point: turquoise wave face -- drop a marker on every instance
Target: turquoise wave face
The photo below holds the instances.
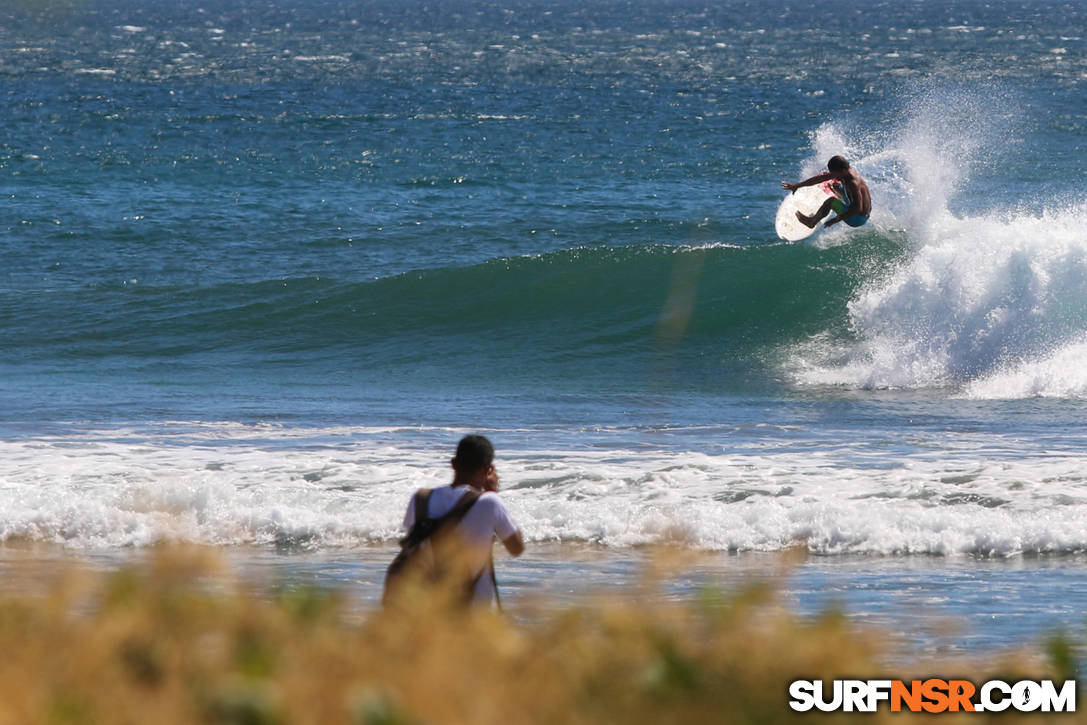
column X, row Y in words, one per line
column 584, row 314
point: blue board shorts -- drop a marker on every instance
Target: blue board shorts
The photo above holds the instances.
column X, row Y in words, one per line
column 841, row 206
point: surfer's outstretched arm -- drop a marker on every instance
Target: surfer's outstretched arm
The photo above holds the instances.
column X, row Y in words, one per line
column 817, row 179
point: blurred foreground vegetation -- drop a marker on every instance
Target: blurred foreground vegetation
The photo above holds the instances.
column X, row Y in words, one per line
column 179, row 640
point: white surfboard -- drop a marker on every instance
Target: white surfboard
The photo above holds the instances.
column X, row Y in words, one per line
column 807, row 200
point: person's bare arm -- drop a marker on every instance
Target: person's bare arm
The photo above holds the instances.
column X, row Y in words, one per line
column 817, row 179
column 515, row 544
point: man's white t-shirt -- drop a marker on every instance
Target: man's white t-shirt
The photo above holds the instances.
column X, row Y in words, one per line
column 485, row 519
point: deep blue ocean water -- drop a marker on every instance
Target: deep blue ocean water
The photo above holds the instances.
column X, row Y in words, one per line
column 264, row 262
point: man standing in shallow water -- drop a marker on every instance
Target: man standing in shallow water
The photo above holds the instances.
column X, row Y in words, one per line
column 473, row 468
column 856, row 204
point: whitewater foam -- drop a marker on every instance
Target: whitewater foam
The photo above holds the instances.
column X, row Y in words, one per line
column 1060, row 375
column 990, row 294
column 229, row 484
column 998, row 295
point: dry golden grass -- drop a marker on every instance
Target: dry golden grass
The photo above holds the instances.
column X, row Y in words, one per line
column 177, row 640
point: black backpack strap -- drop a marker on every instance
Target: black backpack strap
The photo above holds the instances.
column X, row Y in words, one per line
column 494, row 582
column 422, row 501
column 460, row 508
column 424, row 526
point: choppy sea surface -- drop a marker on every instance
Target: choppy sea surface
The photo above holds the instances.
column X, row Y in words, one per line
column 265, row 261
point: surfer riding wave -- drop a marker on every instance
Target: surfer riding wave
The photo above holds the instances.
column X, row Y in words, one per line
column 855, row 204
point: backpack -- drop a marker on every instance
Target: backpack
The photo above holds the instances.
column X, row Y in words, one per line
column 417, row 548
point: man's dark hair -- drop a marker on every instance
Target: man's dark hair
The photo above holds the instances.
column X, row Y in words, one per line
column 837, row 163
column 473, row 453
